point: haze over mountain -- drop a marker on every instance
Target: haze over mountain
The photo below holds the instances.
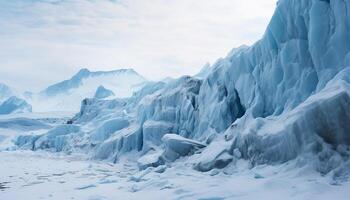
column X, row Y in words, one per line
column 68, row 94
column 5, row 92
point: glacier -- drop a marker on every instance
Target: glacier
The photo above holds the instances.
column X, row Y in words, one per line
column 285, row 100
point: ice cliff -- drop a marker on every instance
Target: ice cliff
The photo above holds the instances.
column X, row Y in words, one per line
column 284, row 98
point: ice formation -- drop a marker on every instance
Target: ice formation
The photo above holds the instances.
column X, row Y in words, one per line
column 177, row 146
column 284, row 98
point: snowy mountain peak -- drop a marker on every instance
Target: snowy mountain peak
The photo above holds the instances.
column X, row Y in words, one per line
column 78, row 79
column 82, row 73
column 102, row 93
column 67, row 95
column 14, row 105
column 5, row 91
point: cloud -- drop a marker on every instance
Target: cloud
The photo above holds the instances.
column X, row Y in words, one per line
column 44, row 41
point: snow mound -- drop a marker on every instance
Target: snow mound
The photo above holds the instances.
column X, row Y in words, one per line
column 177, row 146
column 216, row 155
column 14, row 105
column 151, row 159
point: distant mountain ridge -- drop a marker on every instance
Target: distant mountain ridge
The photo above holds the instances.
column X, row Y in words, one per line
column 84, row 73
column 5, row 91
column 14, row 105
column 68, row 94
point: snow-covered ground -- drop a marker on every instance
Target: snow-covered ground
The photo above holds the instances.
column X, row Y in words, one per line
column 41, row 175
column 33, row 175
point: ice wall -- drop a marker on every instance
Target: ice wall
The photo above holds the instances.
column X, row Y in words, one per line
column 284, row 97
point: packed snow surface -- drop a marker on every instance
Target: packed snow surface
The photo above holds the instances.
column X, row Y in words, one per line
column 41, row 175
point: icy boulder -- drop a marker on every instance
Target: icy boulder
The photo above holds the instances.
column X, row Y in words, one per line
column 216, row 155
column 177, row 146
column 14, row 105
column 151, row 159
column 102, row 93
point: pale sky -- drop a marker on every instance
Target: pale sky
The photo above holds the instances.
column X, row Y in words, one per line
column 45, row 41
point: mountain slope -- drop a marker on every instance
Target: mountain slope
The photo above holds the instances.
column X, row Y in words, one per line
column 68, row 94
column 85, row 77
column 5, row 92
column 14, row 105
column 102, row 93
